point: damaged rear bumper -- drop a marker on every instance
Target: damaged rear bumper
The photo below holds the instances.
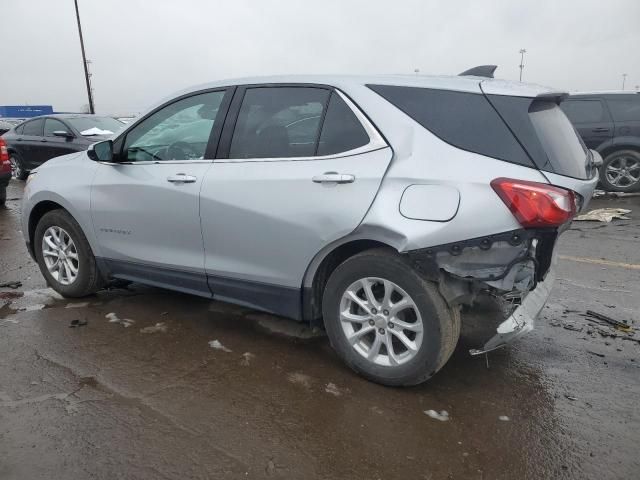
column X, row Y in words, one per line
column 523, row 317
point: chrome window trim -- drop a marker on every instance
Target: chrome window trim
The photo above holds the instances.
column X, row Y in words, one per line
column 376, row 141
column 161, row 162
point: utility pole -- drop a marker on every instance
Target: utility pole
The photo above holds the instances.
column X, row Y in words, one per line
column 624, row 79
column 522, row 52
column 84, row 61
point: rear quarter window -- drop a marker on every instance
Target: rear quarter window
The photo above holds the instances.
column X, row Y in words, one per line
column 464, row 120
column 625, row 109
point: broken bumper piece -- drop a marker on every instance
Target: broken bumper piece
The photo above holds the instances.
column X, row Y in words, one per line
column 522, row 319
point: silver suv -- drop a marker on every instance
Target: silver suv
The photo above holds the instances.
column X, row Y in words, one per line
column 378, row 205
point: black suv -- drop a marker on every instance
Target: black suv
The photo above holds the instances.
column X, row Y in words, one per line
column 609, row 122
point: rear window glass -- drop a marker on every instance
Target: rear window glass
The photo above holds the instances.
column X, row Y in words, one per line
column 625, row 109
column 341, row 131
column 33, row 127
column 464, row 120
column 566, row 152
column 583, row 111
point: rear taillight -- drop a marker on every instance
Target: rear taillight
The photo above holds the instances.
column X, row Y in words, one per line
column 4, row 153
column 536, row 204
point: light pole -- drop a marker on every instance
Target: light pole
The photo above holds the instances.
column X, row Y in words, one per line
column 84, row 61
column 522, row 52
column 624, row 79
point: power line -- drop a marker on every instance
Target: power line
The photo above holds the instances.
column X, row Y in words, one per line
column 84, row 62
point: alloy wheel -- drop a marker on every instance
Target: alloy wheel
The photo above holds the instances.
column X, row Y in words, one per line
column 60, row 255
column 623, row 171
column 381, row 321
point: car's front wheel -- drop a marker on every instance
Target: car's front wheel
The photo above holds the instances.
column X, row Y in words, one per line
column 17, row 168
column 386, row 321
column 64, row 255
column 621, row 171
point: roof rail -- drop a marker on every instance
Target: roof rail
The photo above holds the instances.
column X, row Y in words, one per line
column 480, row 71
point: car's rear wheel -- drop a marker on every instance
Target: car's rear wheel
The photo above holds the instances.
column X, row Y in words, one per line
column 64, row 255
column 621, row 171
column 17, row 168
column 386, row 321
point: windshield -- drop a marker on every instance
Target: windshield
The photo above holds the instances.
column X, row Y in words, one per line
column 88, row 126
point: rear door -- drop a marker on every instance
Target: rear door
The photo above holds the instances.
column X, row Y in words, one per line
column 145, row 207
column 591, row 118
column 31, row 146
column 56, row 146
column 297, row 169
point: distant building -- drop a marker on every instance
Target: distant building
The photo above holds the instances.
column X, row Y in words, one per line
column 24, row 111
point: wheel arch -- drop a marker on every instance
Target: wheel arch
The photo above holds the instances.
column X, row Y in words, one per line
column 37, row 212
column 323, row 265
column 624, row 143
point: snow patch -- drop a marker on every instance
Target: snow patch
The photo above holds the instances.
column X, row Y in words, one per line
column 113, row 318
column 218, row 346
column 158, row 327
column 443, row 416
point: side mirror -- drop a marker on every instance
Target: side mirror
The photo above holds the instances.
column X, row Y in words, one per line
column 101, row 151
column 63, row 133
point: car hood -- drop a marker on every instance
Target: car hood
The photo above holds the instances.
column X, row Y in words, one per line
column 58, row 160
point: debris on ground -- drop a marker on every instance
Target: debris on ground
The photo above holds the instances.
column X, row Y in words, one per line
column 602, row 193
column 158, row 327
column 13, row 284
column 443, row 416
column 77, row 305
column 597, row 354
column 503, row 418
column 624, row 326
column 333, row 389
column 604, row 215
column 572, row 326
column 218, row 346
column 246, row 359
column 113, row 318
column 300, row 379
column 10, row 295
column 570, row 397
column 77, row 323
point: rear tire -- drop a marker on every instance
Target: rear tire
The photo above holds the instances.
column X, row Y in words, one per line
column 58, row 269
column 620, row 171
column 17, row 167
column 418, row 339
column 3, row 196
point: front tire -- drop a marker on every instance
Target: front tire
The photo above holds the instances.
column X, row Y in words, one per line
column 386, row 321
column 621, row 171
column 17, row 168
column 64, row 255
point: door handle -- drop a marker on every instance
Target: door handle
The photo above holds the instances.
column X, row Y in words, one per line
column 600, row 130
column 44, row 140
column 334, row 177
column 181, row 178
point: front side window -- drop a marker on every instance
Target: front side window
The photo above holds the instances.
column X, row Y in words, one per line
column 583, row 111
column 52, row 125
column 179, row 131
column 278, row 122
column 34, row 127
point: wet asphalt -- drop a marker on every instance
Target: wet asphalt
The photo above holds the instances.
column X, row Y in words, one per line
column 181, row 387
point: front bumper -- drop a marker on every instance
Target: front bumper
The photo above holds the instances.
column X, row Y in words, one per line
column 522, row 319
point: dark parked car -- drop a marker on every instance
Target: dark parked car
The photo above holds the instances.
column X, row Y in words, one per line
column 35, row 141
column 609, row 122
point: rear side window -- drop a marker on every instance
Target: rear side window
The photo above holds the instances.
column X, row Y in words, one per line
column 464, row 120
column 341, row 131
column 278, row 122
column 33, row 127
column 625, row 109
column 584, row 111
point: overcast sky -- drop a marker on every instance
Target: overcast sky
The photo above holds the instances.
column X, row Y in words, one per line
column 142, row 51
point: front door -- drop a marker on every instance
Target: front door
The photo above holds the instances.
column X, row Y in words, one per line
column 302, row 167
column 145, row 205
column 56, row 146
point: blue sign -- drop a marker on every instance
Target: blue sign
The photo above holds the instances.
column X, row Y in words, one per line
column 25, row 111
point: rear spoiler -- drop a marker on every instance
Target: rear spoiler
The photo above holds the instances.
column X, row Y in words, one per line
column 557, row 97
